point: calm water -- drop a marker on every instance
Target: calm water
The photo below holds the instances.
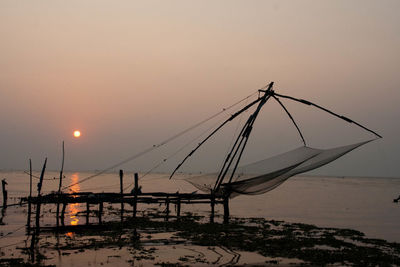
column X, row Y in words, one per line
column 364, row 204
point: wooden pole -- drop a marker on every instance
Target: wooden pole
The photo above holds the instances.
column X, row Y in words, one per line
column 39, row 186
column 5, row 194
column 212, row 207
column 60, row 184
column 121, row 184
column 37, row 214
column 39, row 195
column 178, row 207
column 136, row 191
column 30, row 178
column 63, row 213
column 28, row 223
column 100, row 212
column 87, row 212
column 32, row 248
column 167, row 203
column 226, row 209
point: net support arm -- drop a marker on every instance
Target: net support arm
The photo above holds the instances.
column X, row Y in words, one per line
column 330, row 112
column 243, row 136
column 213, row 132
column 291, row 117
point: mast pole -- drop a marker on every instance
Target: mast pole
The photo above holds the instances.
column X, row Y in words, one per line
column 213, row 132
column 306, row 102
column 243, row 136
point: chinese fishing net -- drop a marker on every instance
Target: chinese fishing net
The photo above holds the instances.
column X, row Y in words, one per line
column 265, row 175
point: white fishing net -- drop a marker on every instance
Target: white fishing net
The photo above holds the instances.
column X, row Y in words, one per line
column 265, row 175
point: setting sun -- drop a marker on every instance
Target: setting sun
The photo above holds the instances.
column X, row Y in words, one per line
column 77, row 134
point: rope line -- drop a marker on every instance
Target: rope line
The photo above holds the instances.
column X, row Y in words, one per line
column 12, row 232
column 234, row 135
column 233, row 116
column 6, row 246
column 306, row 102
column 160, row 144
column 291, row 117
column 37, row 177
column 176, row 152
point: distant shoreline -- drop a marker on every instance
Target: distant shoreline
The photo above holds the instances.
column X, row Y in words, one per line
column 195, row 173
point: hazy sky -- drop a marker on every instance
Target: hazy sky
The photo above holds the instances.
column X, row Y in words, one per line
column 129, row 74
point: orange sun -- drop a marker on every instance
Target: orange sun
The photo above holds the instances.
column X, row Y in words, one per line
column 77, row 134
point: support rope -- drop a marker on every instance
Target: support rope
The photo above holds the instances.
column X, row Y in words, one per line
column 290, row 116
column 330, row 112
column 175, row 153
column 162, row 143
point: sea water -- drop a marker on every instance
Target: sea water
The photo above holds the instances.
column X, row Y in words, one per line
column 360, row 203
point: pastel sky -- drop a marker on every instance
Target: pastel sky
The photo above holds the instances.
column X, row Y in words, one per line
column 129, row 74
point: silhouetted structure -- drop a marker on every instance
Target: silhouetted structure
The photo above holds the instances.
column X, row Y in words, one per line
column 3, row 186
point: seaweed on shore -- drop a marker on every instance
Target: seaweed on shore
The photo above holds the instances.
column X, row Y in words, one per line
column 274, row 239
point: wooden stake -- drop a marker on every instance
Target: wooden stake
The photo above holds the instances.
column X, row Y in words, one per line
column 63, row 213
column 60, row 184
column 178, row 207
column 37, row 214
column 5, row 194
column 100, row 212
column 28, row 223
column 39, row 195
column 39, row 186
column 32, row 248
column 136, row 191
column 167, row 203
column 30, row 178
column 212, row 207
column 87, row 212
column 121, row 184
column 226, row 209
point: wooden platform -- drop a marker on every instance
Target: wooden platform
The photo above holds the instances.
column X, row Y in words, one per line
column 96, row 198
column 90, row 198
column 61, row 199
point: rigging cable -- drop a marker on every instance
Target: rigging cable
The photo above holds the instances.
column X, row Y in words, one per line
column 37, row 177
column 227, row 154
column 175, row 153
column 160, row 144
column 330, row 112
column 12, row 232
column 216, row 130
column 246, row 133
column 290, row 116
column 243, row 136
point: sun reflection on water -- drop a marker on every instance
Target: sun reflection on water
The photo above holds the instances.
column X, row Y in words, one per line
column 74, row 208
column 70, row 234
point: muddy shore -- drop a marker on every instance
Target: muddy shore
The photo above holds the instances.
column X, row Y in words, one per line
column 191, row 241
